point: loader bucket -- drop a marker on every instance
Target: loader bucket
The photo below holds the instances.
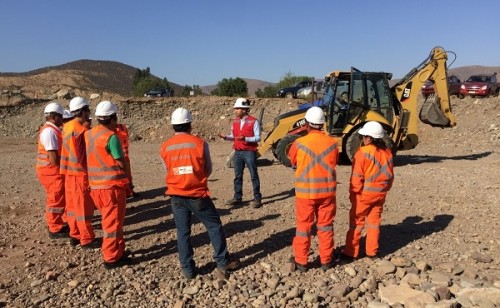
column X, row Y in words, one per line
column 431, row 113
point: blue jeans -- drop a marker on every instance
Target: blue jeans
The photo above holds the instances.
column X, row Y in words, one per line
column 249, row 158
column 203, row 209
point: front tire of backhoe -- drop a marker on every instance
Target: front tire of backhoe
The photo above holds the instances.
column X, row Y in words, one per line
column 282, row 148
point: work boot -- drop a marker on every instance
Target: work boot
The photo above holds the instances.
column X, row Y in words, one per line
column 124, row 260
column 256, row 203
column 63, row 233
column 234, row 202
column 327, row 266
column 297, row 266
column 74, row 241
column 223, row 272
column 95, row 244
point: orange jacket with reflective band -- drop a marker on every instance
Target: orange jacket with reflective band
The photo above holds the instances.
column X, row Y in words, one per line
column 43, row 165
column 245, row 131
column 186, row 175
column 372, row 170
column 104, row 171
column 315, row 156
column 73, row 157
column 122, row 133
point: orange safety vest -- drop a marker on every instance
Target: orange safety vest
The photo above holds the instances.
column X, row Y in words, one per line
column 184, row 159
column 43, row 165
column 104, row 172
column 122, row 133
column 372, row 170
column 245, row 131
column 315, row 176
column 73, row 149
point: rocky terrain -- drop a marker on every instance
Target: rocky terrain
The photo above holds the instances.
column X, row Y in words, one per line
column 440, row 244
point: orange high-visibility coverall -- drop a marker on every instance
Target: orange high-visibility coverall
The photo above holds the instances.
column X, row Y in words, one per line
column 122, row 134
column 315, row 156
column 79, row 205
column 107, row 183
column 371, row 179
column 53, row 183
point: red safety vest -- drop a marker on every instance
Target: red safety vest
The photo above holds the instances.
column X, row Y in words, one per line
column 316, row 157
column 245, row 131
column 43, row 165
column 73, row 149
column 104, row 172
column 122, row 133
column 184, row 159
column 372, row 170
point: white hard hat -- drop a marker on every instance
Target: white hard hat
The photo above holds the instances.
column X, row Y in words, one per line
column 241, row 103
column 54, row 107
column 372, row 129
column 67, row 114
column 77, row 103
column 181, row 116
column 315, row 115
column 105, row 108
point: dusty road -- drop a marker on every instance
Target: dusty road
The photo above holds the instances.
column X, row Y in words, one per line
column 441, row 222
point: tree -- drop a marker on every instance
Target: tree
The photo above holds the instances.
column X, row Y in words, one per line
column 269, row 91
column 288, row 80
column 231, row 87
column 186, row 91
column 144, row 81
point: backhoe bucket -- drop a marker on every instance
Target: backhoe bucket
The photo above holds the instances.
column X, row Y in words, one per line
column 431, row 113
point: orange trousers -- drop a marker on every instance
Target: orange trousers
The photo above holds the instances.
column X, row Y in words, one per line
column 369, row 208
column 111, row 203
column 55, row 201
column 79, row 208
column 307, row 212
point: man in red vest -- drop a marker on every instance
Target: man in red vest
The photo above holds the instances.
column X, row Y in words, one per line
column 79, row 205
column 47, row 170
column 188, row 164
column 108, row 182
column 245, row 133
column 371, row 179
column 315, row 156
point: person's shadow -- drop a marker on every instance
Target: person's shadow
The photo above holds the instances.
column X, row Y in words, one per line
column 394, row 237
column 403, row 160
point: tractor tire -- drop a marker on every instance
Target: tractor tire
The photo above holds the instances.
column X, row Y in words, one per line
column 353, row 142
column 282, row 148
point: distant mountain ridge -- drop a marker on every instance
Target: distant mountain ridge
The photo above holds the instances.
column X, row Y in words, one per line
column 115, row 77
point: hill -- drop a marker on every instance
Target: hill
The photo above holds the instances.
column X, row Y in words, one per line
column 110, row 78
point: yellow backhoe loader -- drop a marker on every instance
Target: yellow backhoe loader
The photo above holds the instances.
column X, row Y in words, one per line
column 352, row 98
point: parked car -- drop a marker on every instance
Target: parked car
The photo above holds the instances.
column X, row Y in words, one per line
column 453, row 87
column 305, row 92
column 157, row 93
column 480, row 85
column 291, row 92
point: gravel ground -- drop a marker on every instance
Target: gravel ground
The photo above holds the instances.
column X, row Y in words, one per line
column 440, row 243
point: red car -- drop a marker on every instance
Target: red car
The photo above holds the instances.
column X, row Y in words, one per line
column 480, row 85
column 453, row 86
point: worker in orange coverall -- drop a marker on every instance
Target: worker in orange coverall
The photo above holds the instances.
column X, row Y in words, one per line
column 79, row 205
column 47, row 170
column 315, row 157
column 122, row 133
column 108, row 182
column 371, row 179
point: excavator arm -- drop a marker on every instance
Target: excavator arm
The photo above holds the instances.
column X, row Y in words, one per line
column 436, row 110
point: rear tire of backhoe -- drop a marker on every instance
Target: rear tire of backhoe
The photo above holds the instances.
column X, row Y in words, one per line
column 282, row 148
column 354, row 141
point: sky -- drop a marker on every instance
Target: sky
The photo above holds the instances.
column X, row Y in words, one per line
column 201, row 42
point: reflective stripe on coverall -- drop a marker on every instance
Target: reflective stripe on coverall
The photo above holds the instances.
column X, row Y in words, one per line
column 52, row 182
column 371, row 179
column 107, row 182
column 79, row 205
column 315, row 156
